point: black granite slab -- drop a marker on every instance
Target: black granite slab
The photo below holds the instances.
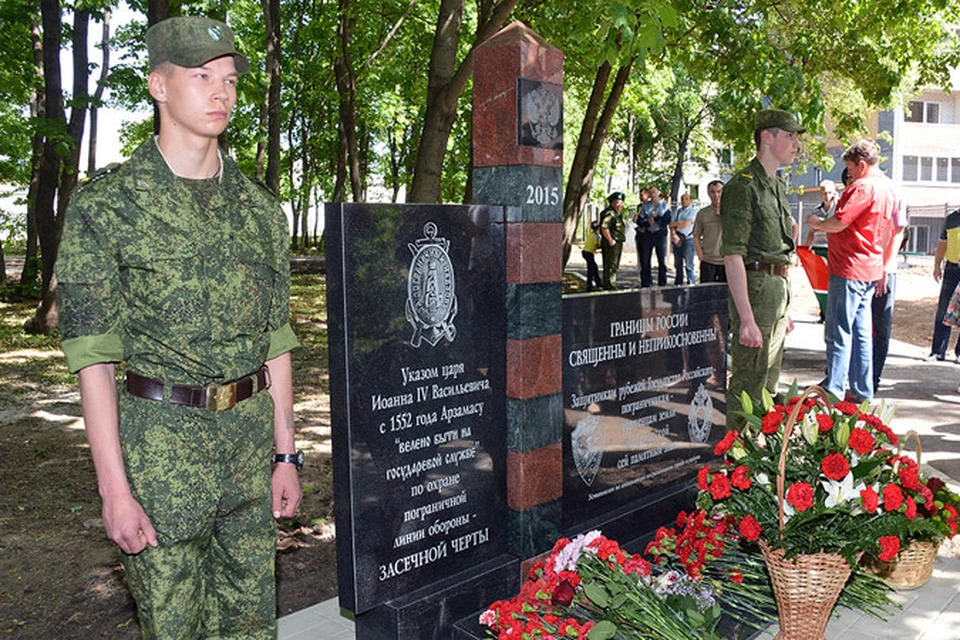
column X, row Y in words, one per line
column 644, row 378
column 417, row 350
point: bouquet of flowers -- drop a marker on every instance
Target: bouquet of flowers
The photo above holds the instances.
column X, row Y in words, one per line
column 591, row 588
column 846, row 492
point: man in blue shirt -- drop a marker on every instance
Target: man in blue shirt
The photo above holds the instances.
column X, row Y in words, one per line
column 681, row 234
column 652, row 220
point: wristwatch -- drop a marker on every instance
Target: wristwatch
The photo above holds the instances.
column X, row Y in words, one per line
column 290, row 458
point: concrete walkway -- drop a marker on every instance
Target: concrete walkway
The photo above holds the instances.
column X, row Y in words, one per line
column 926, row 399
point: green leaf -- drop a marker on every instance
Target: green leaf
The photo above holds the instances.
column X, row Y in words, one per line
column 602, row 631
column 746, row 402
column 597, row 594
column 767, row 400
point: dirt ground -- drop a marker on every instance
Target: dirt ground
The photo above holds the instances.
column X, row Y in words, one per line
column 59, row 575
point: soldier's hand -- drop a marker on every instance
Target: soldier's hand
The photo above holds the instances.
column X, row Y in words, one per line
column 750, row 335
column 285, row 489
column 127, row 524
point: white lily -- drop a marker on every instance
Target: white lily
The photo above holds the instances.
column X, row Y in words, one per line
column 843, row 491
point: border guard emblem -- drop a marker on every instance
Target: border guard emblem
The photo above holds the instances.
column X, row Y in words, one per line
column 431, row 300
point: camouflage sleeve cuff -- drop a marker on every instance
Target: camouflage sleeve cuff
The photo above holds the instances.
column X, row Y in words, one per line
column 84, row 351
column 281, row 341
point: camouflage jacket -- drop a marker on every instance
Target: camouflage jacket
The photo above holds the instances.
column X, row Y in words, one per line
column 188, row 295
column 756, row 218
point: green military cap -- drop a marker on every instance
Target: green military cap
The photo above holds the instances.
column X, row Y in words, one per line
column 191, row 41
column 616, row 195
column 775, row 118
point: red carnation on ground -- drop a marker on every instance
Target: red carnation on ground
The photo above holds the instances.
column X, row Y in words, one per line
column 741, row 478
column 892, row 497
column 835, row 466
column 889, row 548
column 870, row 499
column 861, row 441
column 824, row 422
column 847, row 408
column 724, row 445
column 720, row 486
column 749, row 528
column 703, row 476
column 800, row 495
column 736, row 576
column 771, row 422
column 681, row 518
column 607, row 548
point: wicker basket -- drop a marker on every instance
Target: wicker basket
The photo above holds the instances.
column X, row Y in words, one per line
column 913, row 566
column 806, row 587
column 911, row 569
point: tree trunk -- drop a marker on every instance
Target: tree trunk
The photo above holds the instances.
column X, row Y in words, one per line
column 38, row 109
column 271, row 13
column 593, row 133
column 98, row 94
column 347, row 90
column 445, row 85
column 157, row 10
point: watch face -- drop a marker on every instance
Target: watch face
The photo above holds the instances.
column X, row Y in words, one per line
column 300, row 458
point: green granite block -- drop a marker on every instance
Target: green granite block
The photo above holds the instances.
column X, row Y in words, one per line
column 537, row 190
column 534, row 423
column 533, row 531
column 534, row 310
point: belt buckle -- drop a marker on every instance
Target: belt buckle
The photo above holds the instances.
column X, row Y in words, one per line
column 221, row 398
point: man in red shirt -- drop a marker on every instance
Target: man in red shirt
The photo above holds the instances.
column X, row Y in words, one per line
column 859, row 243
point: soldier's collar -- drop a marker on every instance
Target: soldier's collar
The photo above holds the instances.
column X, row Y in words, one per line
column 218, row 175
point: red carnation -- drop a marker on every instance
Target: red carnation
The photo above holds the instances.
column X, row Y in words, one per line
column 872, row 420
column 887, row 431
column 824, row 422
column 911, row 511
column 563, row 594
column 935, row 484
column 889, row 548
column 724, row 445
column 909, row 478
column 741, row 478
column 800, row 495
column 720, row 487
column 847, row 408
column 703, row 476
column 749, row 527
column 607, row 548
column 870, row 499
column 861, row 441
column 892, row 497
column 771, row 422
column 835, row 466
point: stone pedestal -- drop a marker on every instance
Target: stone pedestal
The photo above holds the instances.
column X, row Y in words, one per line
column 518, row 162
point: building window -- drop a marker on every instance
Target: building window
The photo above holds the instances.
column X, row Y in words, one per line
column 726, row 157
column 910, row 169
column 918, row 240
column 954, row 169
column 926, row 169
column 943, row 169
column 919, row 111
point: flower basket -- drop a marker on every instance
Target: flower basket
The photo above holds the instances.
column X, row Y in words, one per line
column 805, row 587
column 911, row 569
column 913, row 566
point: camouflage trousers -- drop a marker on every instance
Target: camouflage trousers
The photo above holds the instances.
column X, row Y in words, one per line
column 203, row 478
column 611, row 263
column 755, row 369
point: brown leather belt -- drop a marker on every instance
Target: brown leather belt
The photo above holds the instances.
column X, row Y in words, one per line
column 211, row 397
column 773, row 269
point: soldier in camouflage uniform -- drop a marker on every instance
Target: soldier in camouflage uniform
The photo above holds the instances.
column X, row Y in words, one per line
column 613, row 235
column 757, row 242
column 175, row 265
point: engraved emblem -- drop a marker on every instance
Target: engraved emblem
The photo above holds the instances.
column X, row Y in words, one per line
column 586, row 443
column 214, row 33
column 543, row 111
column 700, row 419
column 431, row 301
